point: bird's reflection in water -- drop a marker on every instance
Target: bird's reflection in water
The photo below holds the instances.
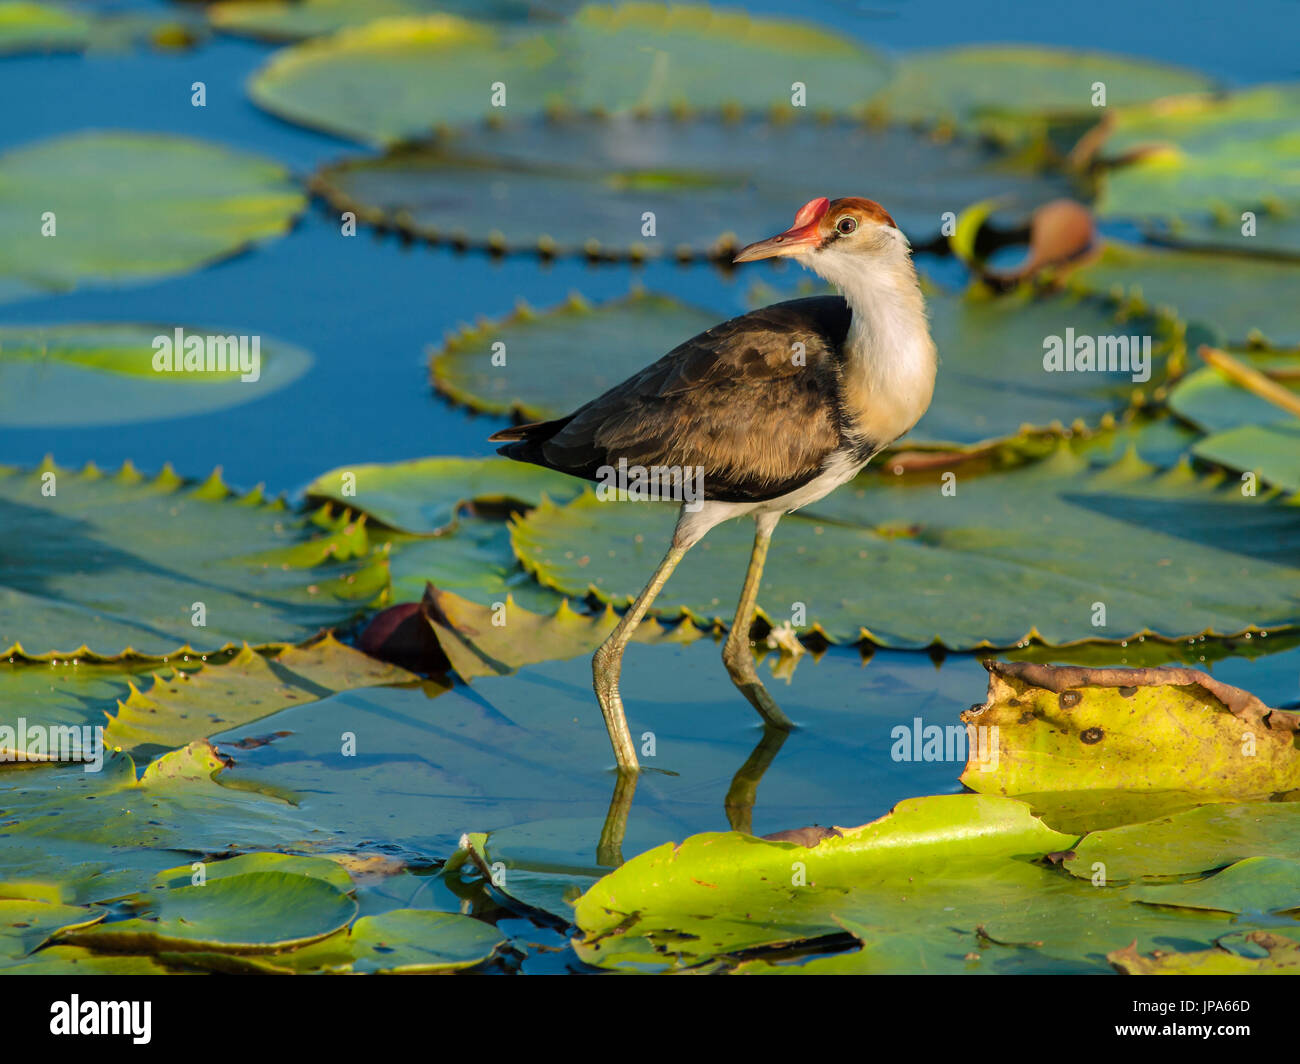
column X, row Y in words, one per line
column 739, row 803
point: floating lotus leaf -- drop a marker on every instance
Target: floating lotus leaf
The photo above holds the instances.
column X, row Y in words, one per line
column 1046, row 728
column 399, row 79
column 1197, row 841
column 402, row 78
column 1273, row 451
column 1255, row 885
column 277, row 20
column 25, row 924
column 1192, row 166
column 996, row 83
column 103, row 374
column 485, row 641
column 184, row 706
column 656, row 56
column 176, row 804
column 423, row 497
column 34, row 27
column 402, row 941
column 587, row 183
column 1244, row 299
column 99, row 563
column 1282, row 957
column 475, row 561
column 74, row 960
column 1028, row 553
column 316, row 867
column 131, row 207
column 992, row 382
column 942, row 884
column 1213, row 402
column 254, row 912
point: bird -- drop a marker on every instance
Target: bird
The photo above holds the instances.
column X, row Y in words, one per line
column 774, row 409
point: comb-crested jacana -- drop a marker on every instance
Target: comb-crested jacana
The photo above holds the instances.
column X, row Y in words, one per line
column 777, row 408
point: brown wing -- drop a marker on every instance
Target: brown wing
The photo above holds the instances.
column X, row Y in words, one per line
column 734, row 400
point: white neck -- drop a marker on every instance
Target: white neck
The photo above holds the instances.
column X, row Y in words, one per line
column 891, row 361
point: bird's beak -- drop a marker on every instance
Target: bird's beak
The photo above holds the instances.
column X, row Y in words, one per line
column 803, row 236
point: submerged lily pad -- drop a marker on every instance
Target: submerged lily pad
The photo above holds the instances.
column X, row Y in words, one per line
column 1027, row 553
column 254, row 912
column 1190, row 167
column 48, row 372
column 102, row 207
column 592, row 184
column 1244, row 299
column 993, row 382
column 103, row 564
column 1049, row 728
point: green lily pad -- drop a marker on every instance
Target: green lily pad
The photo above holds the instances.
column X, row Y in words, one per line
column 475, row 561
column 321, row 868
column 992, row 385
column 1027, row 553
column 1244, row 299
column 1272, row 451
column 942, row 884
column 399, row 942
column 1045, row 728
column 106, row 564
column 34, row 27
column 654, row 56
column 1282, row 957
column 76, row 960
column 1257, row 885
column 25, row 924
column 185, row 706
column 278, row 20
column 486, row 641
column 1214, row 159
column 102, row 207
column 254, row 912
column 400, row 79
column 1197, row 841
column 994, row 83
column 424, row 497
column 48, row 373
column 588, row 183
column 176, row 804
column 1213, row 402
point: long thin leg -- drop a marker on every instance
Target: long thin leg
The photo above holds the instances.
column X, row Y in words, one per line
column 607, row 663
column 736, row 654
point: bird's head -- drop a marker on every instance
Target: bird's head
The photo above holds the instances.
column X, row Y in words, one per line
column 829, row 236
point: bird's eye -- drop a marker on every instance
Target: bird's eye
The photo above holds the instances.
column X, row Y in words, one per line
column 846, row 225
